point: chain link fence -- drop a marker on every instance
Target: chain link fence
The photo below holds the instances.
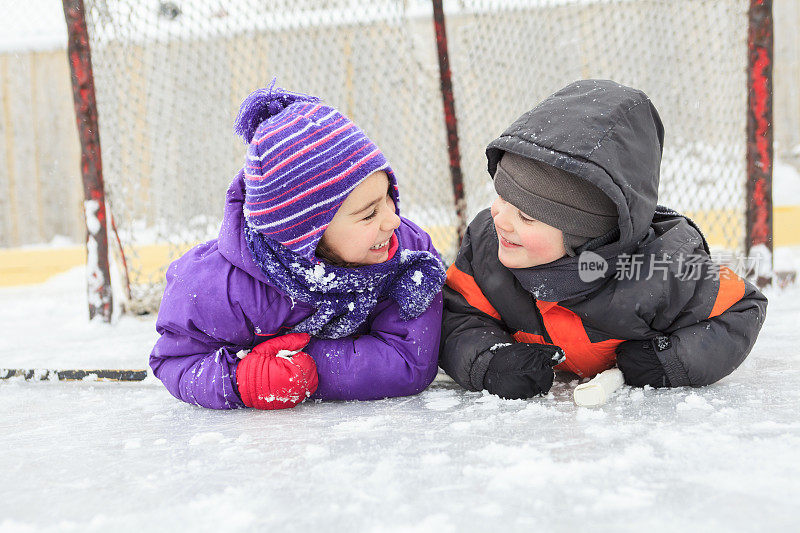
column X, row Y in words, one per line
column 170, row 76
column 689, row 57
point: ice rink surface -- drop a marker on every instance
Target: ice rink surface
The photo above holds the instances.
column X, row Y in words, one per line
column 97, row 456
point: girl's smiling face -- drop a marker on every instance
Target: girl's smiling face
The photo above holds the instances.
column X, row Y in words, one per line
column 524, row 241
column 362, row 228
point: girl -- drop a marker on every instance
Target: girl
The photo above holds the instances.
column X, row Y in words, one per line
column 334, row 295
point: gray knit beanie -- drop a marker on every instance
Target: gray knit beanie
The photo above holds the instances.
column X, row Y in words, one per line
column 557, row 198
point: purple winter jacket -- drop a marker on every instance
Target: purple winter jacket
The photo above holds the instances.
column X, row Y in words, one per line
column 218, row 301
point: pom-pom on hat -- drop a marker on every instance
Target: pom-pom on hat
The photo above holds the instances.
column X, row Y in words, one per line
column 303, row 158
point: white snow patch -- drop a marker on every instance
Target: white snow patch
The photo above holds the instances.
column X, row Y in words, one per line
column 244, row 438
column 636, row 394
column 442, row 404
column 317, row 276
column 438, row 458
column 132, row 444
column 694, row 401
column 360, row 424
column 461, row 426
column 533, row 409
column 209, row 437
column 584, row 413
column 315, row 451
column 488, row 398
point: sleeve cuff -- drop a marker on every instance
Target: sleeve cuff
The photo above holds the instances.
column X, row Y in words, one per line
column 676, row 373
column 478, row 370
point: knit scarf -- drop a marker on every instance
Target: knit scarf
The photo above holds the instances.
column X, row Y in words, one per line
column 343, row 297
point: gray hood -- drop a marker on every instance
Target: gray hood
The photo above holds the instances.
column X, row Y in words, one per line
column 603, row 132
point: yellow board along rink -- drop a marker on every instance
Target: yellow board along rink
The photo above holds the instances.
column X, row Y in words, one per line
column 28, row 265
column 25, row 266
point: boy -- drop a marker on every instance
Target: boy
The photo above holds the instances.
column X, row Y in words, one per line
column 576, row 267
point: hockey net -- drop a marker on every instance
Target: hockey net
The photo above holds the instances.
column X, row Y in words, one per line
column 170, row 76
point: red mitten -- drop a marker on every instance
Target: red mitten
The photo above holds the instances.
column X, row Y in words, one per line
column 267, row 380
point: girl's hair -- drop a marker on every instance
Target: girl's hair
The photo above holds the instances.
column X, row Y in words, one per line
column 325, row 252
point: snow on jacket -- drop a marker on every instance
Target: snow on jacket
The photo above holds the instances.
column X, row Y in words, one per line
column 711, row 322
column 218, row 302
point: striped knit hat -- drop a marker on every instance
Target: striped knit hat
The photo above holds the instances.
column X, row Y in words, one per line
column 303, row 159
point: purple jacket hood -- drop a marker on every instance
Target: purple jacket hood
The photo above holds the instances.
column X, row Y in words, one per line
column 231, row 241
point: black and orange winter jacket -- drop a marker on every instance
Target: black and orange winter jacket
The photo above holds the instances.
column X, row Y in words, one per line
column 706, row 320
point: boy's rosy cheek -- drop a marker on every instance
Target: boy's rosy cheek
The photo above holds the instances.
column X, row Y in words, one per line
column 536, row 245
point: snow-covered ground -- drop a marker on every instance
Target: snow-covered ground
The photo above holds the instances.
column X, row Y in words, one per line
column 95, row 456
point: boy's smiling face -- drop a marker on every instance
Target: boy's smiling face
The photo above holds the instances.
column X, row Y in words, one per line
column 364, row 224
column 524, row 242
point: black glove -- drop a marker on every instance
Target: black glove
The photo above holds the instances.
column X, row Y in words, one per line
column 639, row 363
column 522, row 370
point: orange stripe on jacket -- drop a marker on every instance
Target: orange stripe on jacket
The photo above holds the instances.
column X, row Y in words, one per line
column 731, row 290
column 584, row 357
column 465, row 285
